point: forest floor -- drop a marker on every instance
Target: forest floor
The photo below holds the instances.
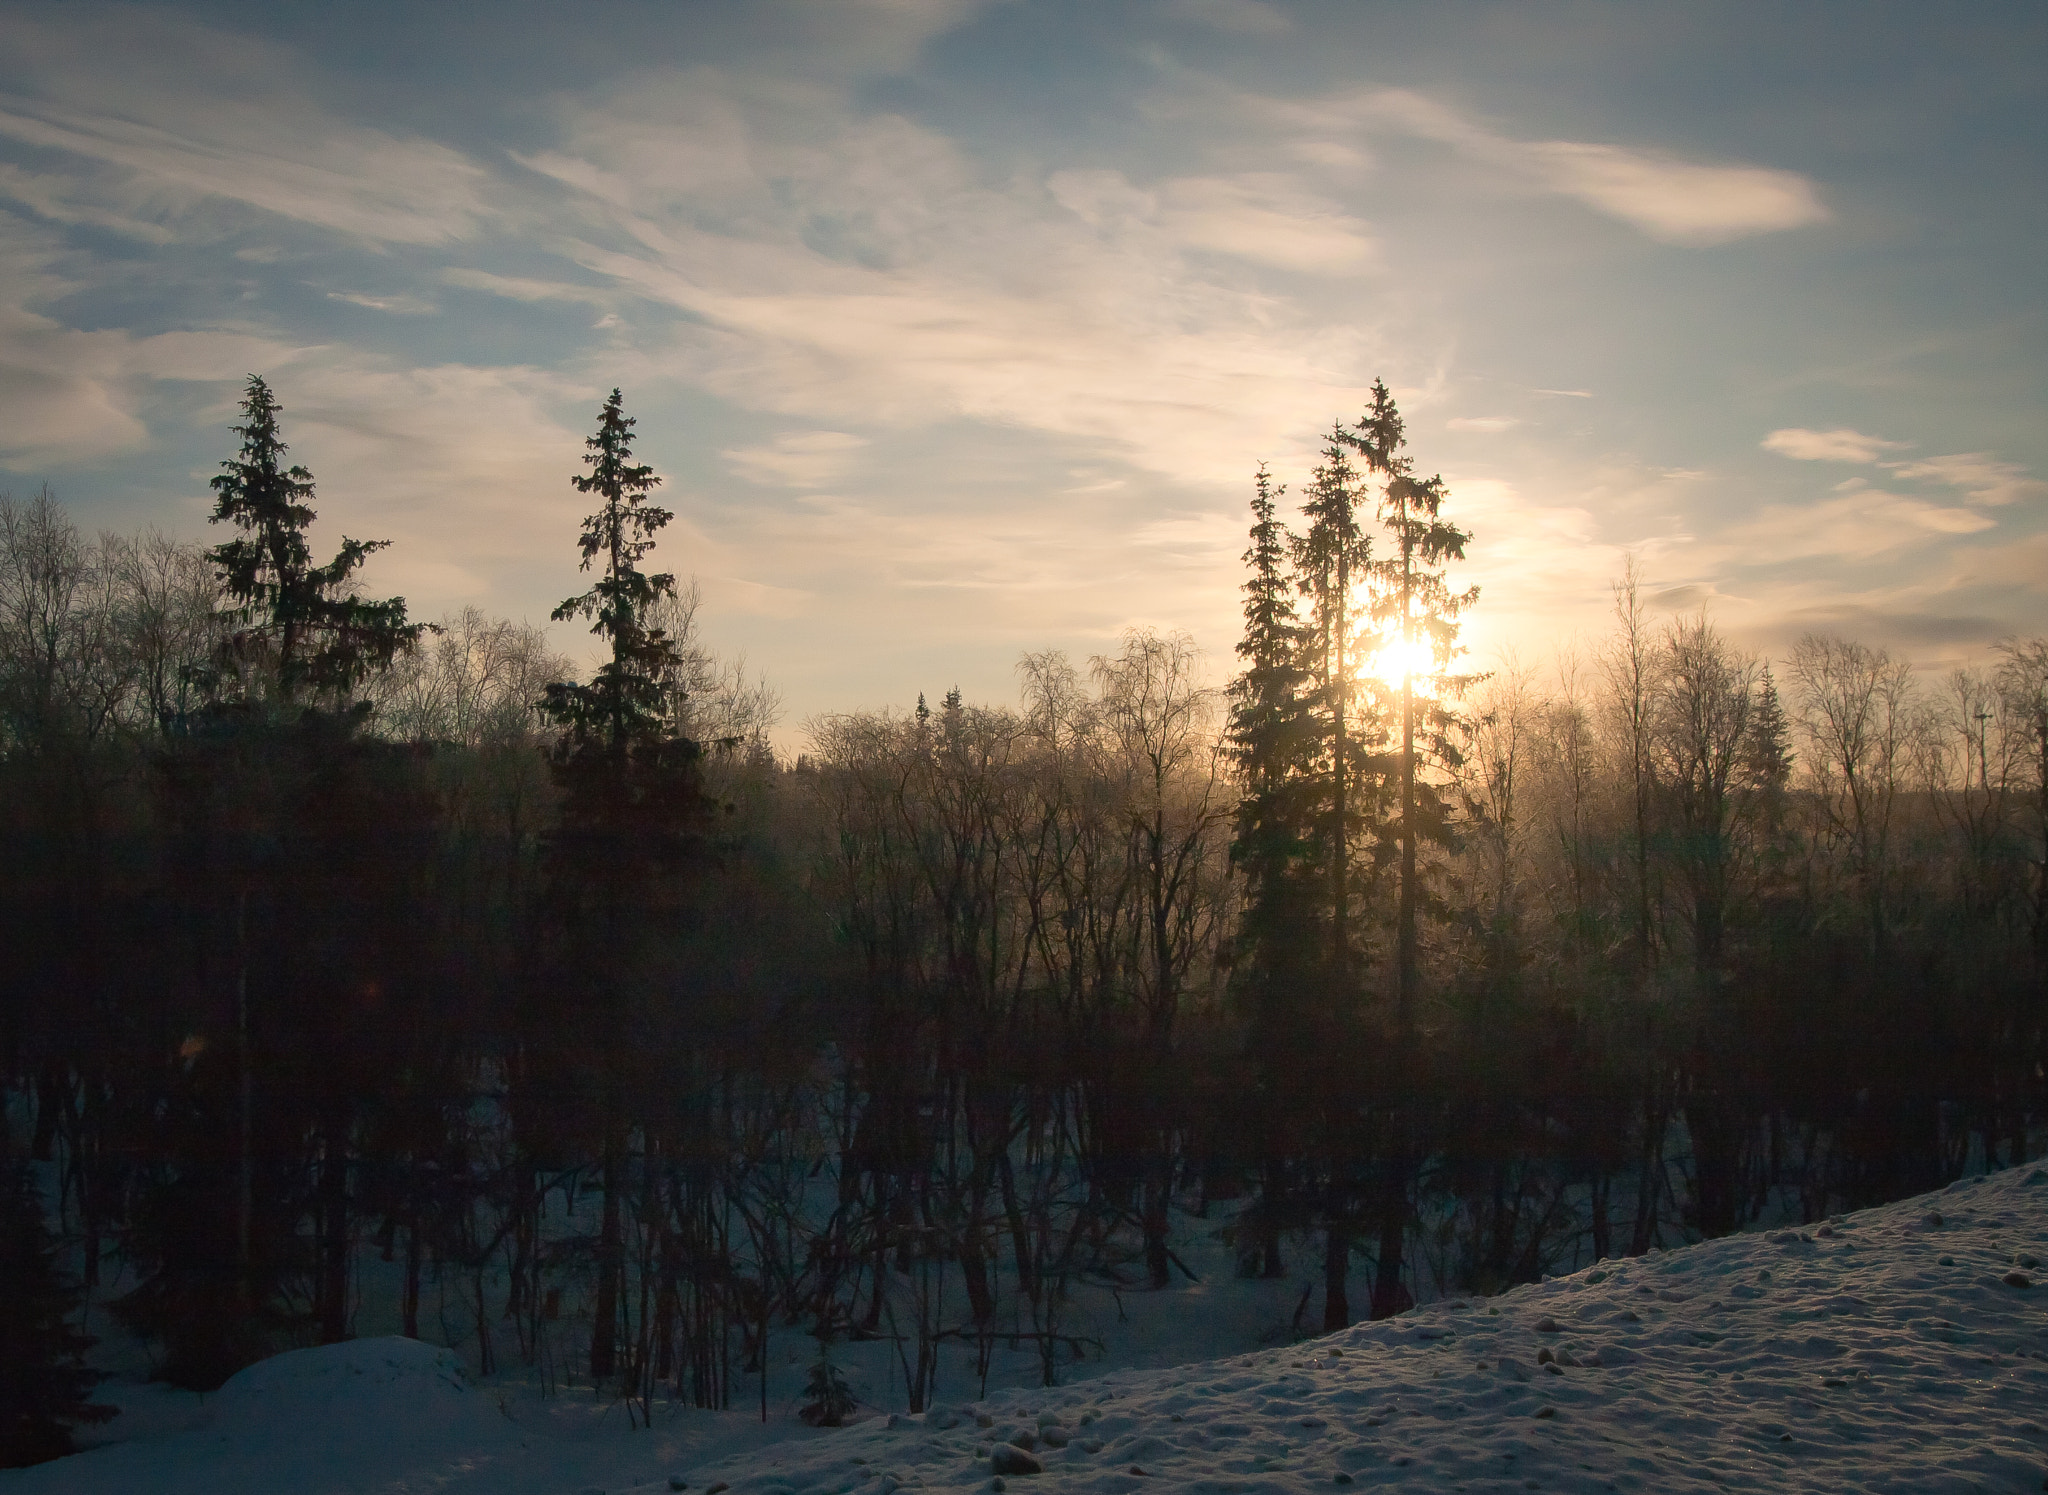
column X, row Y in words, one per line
column 1903, row 1348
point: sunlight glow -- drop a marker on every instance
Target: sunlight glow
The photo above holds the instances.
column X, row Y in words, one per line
column 1387, row 663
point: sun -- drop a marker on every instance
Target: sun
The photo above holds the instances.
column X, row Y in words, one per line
column 1395, row 657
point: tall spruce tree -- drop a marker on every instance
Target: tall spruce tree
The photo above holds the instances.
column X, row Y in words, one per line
column 1272, row 740
column 273, row 850
column 299, row 622
column 1332, row 559
column 45, row 1384
column 632, row 813
column 1417, row 611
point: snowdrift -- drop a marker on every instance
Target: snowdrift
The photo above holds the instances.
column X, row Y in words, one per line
column 1901, row 1349
column 373, row 1414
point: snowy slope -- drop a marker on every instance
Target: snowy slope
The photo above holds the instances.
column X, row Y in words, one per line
column 1901, row 1349
column 1895, row 1349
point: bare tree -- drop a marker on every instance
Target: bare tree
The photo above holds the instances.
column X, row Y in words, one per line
column 1856, row 712
column 1162, row 721
column 170, row 605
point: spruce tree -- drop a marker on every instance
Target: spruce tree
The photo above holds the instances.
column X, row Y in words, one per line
column 1332, row 559
column 1768, row 765
column 1416, row 609
column 45, row 1385
column 1272, row 743
column 300, row 621
column 1270, row 737
column 632, row 812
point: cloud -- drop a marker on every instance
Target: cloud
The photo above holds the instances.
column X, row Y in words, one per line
column 1675, row 201
column 1240, row 17
column 1839, row 445
column 1857, row 526
column 1667, row 198
column 526, row 288
column 1264, row 217
column 1486, row 423
column 175, row 114
column 1983, row 477
column 49, row 196
column 858, row 269
column 796, row 459
column 70, row 395
column 400, row 305
column 45, row 413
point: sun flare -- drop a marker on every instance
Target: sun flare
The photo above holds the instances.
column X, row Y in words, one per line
column 1394, row 658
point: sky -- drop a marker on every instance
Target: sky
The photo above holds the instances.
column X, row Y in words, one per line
column 957, row 330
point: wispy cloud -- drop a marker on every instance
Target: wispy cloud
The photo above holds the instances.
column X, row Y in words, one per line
column 1857, row 526
column 1664, row 196
column 1982, row 477
column 69, row 394
column 177, row 114
column 50, row 196
column 527, row 288
column 796, row 459
column 398, row 305
column 1838, row 445
column 1241, row 17
column 860, row 269
column 1979, row 474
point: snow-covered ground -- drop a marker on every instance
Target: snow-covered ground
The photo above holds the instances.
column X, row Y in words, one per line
column 1900, row 1349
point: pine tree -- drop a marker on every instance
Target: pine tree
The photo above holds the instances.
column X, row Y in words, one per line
column 1415, row 609
column 627, row 699
column 828, row 1400
column 45, row 1385
column 1331, row 561
column 1272, row 739
column 1768, row 765
column 298, row 620
column 633, row 807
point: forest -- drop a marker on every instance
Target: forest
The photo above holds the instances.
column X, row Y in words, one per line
column 330, row 933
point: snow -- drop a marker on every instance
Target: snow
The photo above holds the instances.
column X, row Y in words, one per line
column 1900, row 1349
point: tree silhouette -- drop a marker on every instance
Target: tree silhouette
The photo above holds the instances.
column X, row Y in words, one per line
column 299, row 620
column 632, row 812
column 45, row 1385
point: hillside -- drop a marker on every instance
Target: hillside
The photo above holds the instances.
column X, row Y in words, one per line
column 1899, row 1349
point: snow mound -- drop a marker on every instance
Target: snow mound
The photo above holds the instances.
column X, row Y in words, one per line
column 374, row 1383
column 1900, row 1349
column 1903, row 1349
column 372, row 1414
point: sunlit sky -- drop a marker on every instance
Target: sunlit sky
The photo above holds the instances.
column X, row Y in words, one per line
column 958, row 329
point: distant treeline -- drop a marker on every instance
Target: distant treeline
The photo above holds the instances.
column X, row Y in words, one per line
column 326, row 931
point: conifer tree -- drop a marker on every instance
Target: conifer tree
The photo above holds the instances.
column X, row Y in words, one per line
column 1272, row 740
column 45, row 1385
column 300, row 620
column 1416, row 610
column 1768, row 765
column 1331, row 562
column 1321, row 797
column 632, row 808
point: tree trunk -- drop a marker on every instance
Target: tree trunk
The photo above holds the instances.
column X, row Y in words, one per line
column 334, row 1229
column 1336, row 1269
column 611, row 1266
